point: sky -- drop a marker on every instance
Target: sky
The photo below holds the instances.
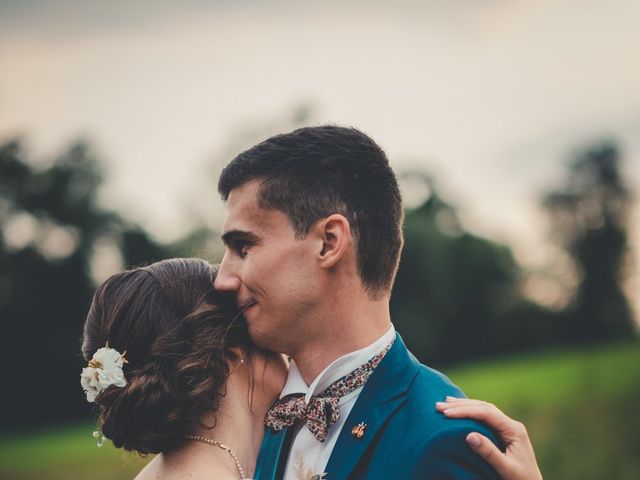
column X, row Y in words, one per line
column 492, row 97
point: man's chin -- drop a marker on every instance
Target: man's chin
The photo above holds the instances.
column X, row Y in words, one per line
column 260, row 337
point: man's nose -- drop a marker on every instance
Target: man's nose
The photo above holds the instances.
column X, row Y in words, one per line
column 226, row 279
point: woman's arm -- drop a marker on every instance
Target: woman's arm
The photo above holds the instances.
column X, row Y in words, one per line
column 519, row 460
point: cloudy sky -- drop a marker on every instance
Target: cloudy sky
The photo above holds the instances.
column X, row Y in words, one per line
column 491, row 96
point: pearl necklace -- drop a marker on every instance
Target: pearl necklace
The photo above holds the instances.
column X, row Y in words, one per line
column 223, row 447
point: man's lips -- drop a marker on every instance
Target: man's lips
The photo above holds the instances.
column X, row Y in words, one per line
column 243, row 307
column 247, row 305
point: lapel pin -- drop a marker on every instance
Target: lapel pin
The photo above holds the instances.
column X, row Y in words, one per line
column 358, row 430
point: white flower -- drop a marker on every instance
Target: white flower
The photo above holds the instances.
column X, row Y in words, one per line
column 89, row 382
column 104, row 370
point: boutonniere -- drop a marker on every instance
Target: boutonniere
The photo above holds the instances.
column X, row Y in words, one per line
column 305, row 473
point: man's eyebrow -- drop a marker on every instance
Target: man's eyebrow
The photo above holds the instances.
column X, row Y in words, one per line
column 233, row 236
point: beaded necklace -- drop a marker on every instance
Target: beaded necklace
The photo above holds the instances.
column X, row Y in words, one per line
column 218, row 444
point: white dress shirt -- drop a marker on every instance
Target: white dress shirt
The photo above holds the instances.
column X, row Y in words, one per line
column 308, row 456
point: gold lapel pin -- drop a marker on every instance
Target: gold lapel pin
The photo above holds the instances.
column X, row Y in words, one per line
column 358, row 430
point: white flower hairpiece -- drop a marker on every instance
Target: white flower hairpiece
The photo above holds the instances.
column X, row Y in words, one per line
column 104, row 370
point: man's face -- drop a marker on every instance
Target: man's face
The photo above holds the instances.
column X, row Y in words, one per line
column 272, row 274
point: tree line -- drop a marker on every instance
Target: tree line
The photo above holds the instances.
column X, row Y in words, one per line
column 457, row 296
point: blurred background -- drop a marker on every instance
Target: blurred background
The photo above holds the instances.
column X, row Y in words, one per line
column 514, row 127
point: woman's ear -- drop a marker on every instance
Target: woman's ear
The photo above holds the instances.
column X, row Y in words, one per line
column 335, row 233
column 235, row 357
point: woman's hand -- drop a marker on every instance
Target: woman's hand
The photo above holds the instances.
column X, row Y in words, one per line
column 519, row 461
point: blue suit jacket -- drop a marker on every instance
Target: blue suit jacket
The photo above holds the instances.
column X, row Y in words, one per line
column 405, row 438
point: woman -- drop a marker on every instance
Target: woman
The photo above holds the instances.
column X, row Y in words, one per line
column 190, row 367
column 174, row 372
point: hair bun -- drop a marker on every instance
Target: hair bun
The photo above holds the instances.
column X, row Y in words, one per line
column 176, row 331
column 145, row 415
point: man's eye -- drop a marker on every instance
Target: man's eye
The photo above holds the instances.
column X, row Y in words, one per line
column 241, row 249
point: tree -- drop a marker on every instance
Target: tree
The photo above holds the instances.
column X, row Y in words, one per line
column 50, row 223
column 589, row 216
column 456, row 295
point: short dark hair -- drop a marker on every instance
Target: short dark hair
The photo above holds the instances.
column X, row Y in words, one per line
column 177, row 333
column 314, row 172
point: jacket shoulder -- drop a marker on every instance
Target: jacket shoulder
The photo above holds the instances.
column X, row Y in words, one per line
column 431, row 386
column 441, row 449
column 445, row 454
column 434, row 384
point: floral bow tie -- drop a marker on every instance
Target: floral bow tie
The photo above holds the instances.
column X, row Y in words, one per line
column 319, row 415
column 323, row 410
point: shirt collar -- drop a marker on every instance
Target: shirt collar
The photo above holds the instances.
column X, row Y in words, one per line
column 337, row 369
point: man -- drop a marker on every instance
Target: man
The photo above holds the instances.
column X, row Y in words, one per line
column 313, row 238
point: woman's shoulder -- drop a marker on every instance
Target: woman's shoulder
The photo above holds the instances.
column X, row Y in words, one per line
column 188, row 468
column 151, row 469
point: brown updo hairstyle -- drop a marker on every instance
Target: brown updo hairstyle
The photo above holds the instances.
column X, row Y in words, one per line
column 177, row 333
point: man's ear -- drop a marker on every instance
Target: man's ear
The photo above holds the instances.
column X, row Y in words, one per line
column 335, row 233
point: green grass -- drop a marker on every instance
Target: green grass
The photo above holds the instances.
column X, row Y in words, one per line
column 68, row 452
column 554, row 377
column 581, row 407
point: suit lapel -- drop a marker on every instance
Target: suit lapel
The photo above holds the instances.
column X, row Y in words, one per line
column 384, row 392
column 273, row 452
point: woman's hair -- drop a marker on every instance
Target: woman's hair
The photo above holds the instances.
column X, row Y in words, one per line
column 177, row 333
